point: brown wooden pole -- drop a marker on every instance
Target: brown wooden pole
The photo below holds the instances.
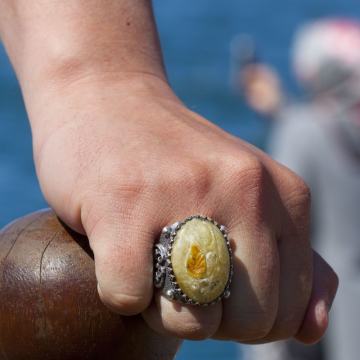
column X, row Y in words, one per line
column 49, row 307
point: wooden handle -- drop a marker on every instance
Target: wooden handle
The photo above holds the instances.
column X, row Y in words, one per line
column 49, row 306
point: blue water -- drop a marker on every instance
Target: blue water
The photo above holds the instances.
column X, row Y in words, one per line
column 195, row 36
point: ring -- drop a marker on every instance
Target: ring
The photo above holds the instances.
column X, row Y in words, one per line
column 193, row 261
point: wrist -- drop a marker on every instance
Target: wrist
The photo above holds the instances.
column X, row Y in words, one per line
column 54, row 42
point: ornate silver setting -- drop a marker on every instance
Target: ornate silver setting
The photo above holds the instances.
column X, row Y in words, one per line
column 164, row 277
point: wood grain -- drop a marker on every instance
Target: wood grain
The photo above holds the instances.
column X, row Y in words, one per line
column 49, row 306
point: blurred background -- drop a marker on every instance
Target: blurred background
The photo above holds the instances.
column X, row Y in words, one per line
column 196, row 38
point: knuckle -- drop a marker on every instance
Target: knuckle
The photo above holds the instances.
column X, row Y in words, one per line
column 254, row 322
column 111, row 201
column 263, row 331
column 121, row 179
column 103, row 210
column 195, row 331
column 125, row 189
column 302, row 189
column 248, row 182
column 248, row 174
column 289, row 321
column 247, row 164
column 259, row 327
column 192, row 177
column 289, row 326
column 196, row 324
column 299, row 195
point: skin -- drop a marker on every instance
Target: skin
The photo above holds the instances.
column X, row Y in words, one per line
column 119, row 156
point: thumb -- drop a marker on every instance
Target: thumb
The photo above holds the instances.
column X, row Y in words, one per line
column 325, row 284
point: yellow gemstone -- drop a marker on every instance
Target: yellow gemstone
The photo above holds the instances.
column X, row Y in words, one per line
column 201, row 260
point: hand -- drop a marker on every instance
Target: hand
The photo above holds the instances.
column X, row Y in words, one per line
column 119, row 158
column 262, row 88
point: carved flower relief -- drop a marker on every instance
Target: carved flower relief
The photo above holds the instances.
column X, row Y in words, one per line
column 201, row 260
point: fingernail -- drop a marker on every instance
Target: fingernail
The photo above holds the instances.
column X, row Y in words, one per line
column 322, row 313
column 99, row 291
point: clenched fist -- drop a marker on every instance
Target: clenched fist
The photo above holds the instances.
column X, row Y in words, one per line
column 119, row 157
column 129, row 159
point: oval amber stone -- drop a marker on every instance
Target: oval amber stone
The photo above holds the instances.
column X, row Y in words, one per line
column 200, row 260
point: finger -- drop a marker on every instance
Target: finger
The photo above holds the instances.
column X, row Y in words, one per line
column 122, row 244
column 295, row 259
column 251, row 310
column 325, row 285
column 185, row 322
column 295, row 287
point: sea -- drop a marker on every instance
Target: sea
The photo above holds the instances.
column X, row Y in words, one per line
column 196, row 37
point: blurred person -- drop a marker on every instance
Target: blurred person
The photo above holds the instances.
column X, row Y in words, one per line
column 256, row 81
column 319, row 138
